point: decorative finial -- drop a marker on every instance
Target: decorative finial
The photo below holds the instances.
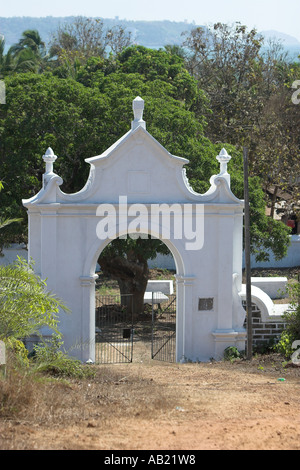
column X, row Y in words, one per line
column 223, row 158
column 49, row 158
column 138, row 109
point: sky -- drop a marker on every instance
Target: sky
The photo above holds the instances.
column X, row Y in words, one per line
column 279, row 15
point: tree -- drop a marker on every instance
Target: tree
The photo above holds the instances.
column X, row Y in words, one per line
column 238, row 75
column 248, row 85
column 44, row 111
column 126, row 260
column 6, row 222
column 74, row 43
column 118, row 39
column 84, row 36
column 30, row 52
column 6, row 60
column 223, row 59
column 276, row 148
column 32, row 40
column 162, row 65
column 80, row 120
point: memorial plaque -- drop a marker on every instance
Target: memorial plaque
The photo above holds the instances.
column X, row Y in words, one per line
column 206, row 304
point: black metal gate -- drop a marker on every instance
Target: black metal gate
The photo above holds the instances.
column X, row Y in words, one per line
column 163, row 327
column 116, row 332
column 114, row 329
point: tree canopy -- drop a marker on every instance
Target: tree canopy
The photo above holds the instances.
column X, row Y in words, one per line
column 79, row 103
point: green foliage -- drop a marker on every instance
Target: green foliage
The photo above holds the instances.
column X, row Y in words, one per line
column 25, row 308
column 144, row 247
column 44, row 111
column 25, row 305
column 18, row 349
column 28, row 55
column 267, row 235
column 161, row 65
column 284, row 346
column 249, row 91
column 231, row 353
column 291, row 317
column 82, row 118
column 49, row 358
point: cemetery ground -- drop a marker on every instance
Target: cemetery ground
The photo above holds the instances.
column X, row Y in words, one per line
column 153, row 405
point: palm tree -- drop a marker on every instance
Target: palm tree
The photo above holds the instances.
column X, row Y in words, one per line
column 30, row 52
column 26, row 61
column 31, row 39
column 6, row 60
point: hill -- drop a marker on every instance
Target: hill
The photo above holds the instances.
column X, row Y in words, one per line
column 152, row 34
column 284, row 38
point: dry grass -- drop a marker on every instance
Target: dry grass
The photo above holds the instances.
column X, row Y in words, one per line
column 47, row 401
column 154, row 405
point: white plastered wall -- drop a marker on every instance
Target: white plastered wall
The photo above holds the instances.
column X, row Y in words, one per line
column 65, row 245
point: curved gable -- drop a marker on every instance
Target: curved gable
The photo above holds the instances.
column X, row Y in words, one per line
column 137, row 166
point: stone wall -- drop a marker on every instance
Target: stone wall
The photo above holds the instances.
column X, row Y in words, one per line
column 264, row 332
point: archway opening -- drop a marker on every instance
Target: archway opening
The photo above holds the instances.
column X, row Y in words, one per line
column 135, row 301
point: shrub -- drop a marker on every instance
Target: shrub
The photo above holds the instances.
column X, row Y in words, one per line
column 49, row 358
column 26, row 307
column 25, row 304
column 231, row 353
column 291, row 317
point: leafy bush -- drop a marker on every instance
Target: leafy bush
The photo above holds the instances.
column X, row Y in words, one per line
column 26, row 307
column 49, row 358
column 17, row 348
column 291, row 317
column 231, row 353
column 25, row 304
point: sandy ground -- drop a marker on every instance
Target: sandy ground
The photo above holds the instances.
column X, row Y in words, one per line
column 150, row 405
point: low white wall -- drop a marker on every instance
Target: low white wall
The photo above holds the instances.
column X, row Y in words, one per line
column 162, row 262
column 11, row 253
column 167, row 261
column 164, row 286
column 275, row 287
column 291, row 260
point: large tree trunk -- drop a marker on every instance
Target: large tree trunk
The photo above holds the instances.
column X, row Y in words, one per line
column 132, row 275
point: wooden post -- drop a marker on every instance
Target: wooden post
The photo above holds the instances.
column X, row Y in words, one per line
column 247, row 258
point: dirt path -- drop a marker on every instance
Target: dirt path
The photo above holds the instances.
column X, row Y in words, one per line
column 149, row 405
